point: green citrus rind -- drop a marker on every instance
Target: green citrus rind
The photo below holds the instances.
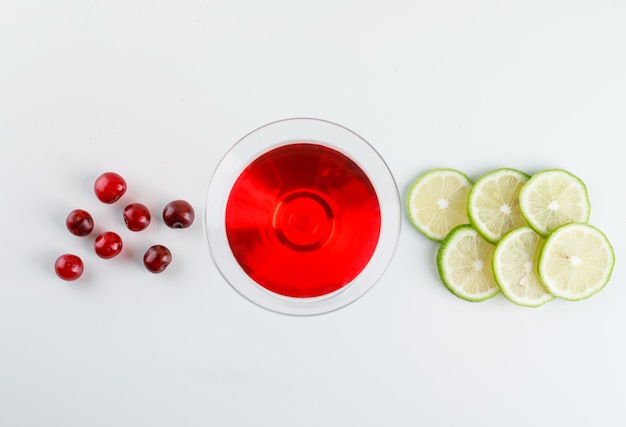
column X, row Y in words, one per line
column 464, row 265
column 554, row 197
column 437, row 202
column 514, row 264
column 493, row 203
column 576, row 261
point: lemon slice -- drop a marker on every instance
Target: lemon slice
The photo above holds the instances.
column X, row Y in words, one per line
column 464, row 264
column 515, row 268
column 437, row 202
column 493, row 203
column 552, row 198
column 576, row 261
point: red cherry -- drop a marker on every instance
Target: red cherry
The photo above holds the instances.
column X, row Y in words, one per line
column 136, row 216
column 108, row 245
column 79, row 222
column 157, row 258
column 109, row 187
column 68, row 267
column 178, row 214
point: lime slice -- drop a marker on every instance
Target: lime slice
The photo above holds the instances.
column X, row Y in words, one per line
column 515, row 268
column 552, row 198
column 464, row 264
column 576, row 261
column 437, row 202
column 493, row 203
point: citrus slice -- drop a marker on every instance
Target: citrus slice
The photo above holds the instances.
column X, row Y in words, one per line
column 515, row 267
column 576, row 261
column 437, row 202
column 464, row 264
column 552, row 198
column 493, row 203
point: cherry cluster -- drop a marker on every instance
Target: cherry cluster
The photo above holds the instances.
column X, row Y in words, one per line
column 109, row 188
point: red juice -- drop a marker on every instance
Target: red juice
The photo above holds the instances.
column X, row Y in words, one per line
column 303, row 220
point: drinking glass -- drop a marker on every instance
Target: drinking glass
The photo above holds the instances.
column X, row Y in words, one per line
column 302, row 216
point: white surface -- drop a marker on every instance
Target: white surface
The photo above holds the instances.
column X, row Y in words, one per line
column 158, row 91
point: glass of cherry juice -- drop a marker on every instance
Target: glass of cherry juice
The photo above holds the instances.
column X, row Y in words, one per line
column 302, row 216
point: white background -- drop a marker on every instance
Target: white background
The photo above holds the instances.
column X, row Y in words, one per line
column 159, row 90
